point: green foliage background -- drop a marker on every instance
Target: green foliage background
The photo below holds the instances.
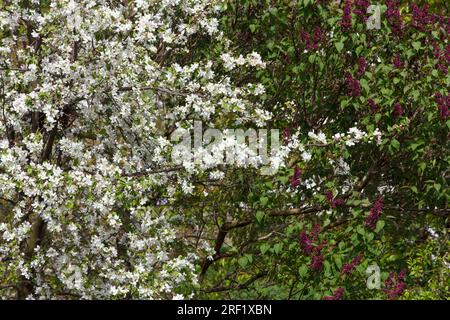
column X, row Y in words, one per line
column 262, row 258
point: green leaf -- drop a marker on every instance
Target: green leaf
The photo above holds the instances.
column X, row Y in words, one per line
column 303, row 270
column 263, row 201
column 360, row 230
column 422, row 166
column 378, row 117
column 339, row 46
column 395, row 144
column 260, row 216
column 327, row 267
column 338, row 262
column 380, row 226
column 365, row 85
column 264, row 247
column 243, row 261
column 277, row 248
column 283, row 179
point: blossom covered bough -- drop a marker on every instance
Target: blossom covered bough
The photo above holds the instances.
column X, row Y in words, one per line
column 90, row 91
column 95, row 199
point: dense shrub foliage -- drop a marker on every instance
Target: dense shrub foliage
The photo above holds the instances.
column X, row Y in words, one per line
column 98, row 201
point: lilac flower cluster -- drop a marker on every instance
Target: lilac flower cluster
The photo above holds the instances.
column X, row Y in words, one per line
column 374, row 107
column 446, row 53
column 309, row 249
column 347, row 268
column 395, row 285
column 317, row 262
column 312, row 43
column 319, row 36
column 295, row 179
column 431, row 19
column 306, row 39
column 393, row 16
column 443, row 103
column 346, row 21
column 305, row 242
column 397, row 110
column 361, row 9
column 362, row 66
column 286, row 134
column 442, row 57
column 421, row 16
column 375, row 212
column 337, row 294
column 397, row 61
column 334, row 202
column 353, row 86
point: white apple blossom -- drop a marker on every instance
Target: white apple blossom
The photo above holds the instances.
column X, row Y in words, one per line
column 91, row 96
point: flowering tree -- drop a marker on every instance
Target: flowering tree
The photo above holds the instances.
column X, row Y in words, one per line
column 97, row 200
column 90, row 92
column 367, row 187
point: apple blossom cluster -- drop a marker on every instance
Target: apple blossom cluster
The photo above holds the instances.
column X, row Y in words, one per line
column 306, row 176
column 90, row 92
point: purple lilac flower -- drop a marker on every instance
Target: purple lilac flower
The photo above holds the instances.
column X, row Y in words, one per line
column 295, row 179
column 361, row 9
column 395, row 285
column 286, row 134
column 315, row 231
column 334, row 202
column 306, row 39
column 305, row 243
column 309, row 249
column 346, row 21
column 312, row 42
column 317, row 262
column 330, row 197
column 375, row 212
column 442, row 57
column 421, row 17
column 436, row 50
column 373, row 106
column 393, row 16
column 447, row 52
column 320, row 246
column 443, row 103
column 347, row 268
column 337, row 295
column 353, row 86
column 398, row 110
column 362, row 66
column 319, row 36
column 397, row 61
